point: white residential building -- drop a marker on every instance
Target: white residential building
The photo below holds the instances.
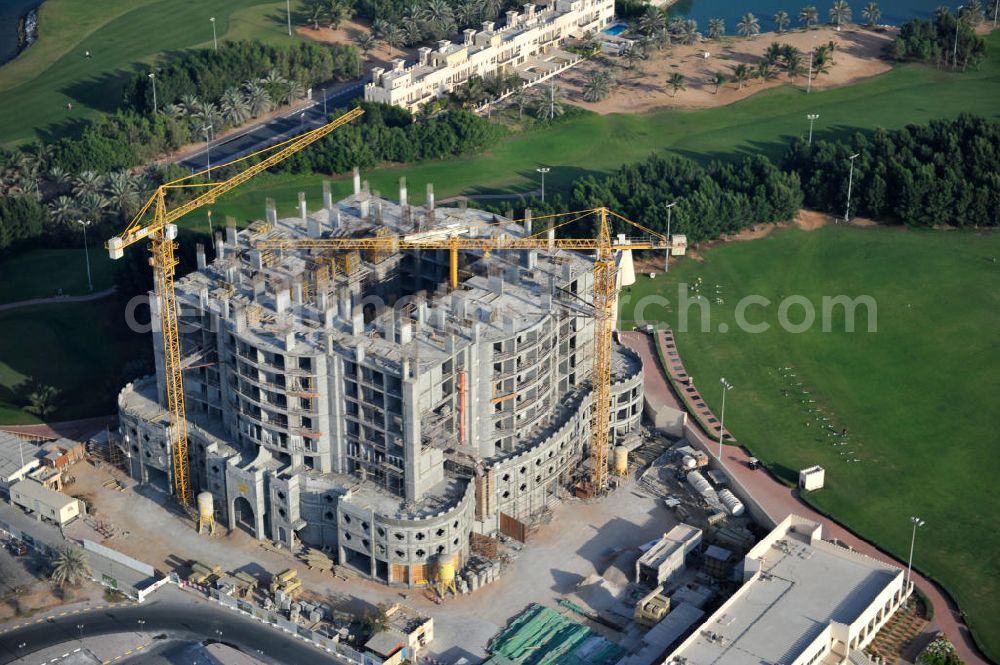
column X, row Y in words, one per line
column 804, row 601
column 527, row 45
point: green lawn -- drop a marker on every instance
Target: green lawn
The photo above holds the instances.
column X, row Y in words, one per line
column 40, row 273
column 80, row 349
column 590, row 143
column 918, row 397
column 121, row 36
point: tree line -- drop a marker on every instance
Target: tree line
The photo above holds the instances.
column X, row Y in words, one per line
column 946, row 39
column 242, row 78
column 944, row 172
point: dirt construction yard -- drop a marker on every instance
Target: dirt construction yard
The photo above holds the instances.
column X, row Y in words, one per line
column 580, row 540
column 857, row 56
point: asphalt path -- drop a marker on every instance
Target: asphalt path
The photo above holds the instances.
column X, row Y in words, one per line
column 173, row 612
column 273, row 131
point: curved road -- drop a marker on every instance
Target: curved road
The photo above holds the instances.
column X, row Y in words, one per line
column 57, row 299
column 778, row 500
column 172, row 611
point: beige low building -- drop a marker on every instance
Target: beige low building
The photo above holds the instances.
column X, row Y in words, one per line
column 45, row 504
column 804, row 601
column 407, row 633
column 527, row 45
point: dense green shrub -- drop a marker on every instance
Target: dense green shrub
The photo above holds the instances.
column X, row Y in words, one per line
column 945, row 172
column 934, row 41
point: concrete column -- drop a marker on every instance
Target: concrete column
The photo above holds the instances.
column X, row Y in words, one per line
column 199, row 251
column 220, row 251
column 357, row 181
column 303, row 213
column 527, row 221
column 430, row 196
column 327, row 196
column 230, row 231
column 365, row 205
column 270, row 211
column 402, row 190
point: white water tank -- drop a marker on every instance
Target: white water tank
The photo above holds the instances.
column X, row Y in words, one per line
column 206, row 505
column 699, row 483
column 689, row 462
column 732, row 504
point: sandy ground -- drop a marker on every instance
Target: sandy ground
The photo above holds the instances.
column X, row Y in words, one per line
column 575, row 544
column 346, row 34
column 644, row 88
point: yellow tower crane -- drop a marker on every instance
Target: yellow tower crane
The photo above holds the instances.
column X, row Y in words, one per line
column 155, row 222
column 605, row 290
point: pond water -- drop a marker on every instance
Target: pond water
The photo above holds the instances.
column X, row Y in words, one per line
column 10, row 12
column 894, row 12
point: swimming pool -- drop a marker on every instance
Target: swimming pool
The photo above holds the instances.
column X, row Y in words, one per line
column 615, row 30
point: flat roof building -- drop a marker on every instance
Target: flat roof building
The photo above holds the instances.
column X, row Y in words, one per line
column 44, row 503
column 667, row 557
column 804, row 601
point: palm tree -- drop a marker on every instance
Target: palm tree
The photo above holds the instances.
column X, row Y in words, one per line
column 840, row 12
column 782, row 20
column 793, row 65
column 437, row 17
column 123, row 191
column 366, row 43
column 394, row 36
column 294, row 90
column 234, row 107
column 466, row 12
column 63, row 209
column 748, row 26
column 688, row 31
column 740, row 74
column 718, row 80
column 598, row 86
column 70, row 567
column 773, row 53
column 633, row 56
column 315, row 12
column 93, row 205
column 338, row 11
column 716, row 28
column 808, row 16
column 190, row 104
column 676, row 82
column 60, row 179
column 652, row 21
column 42, row 401
column 548, row 105
column 87, row 182
column 520, row 99
column 257, row 98
column 764, row 71
column 490, row 9
column 872, row 14
column 971, row 12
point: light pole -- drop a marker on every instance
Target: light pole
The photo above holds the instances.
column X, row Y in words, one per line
column 850, row 182
column 79, row 627
column 670, row 246
column 209, row 137
column 86, row 250
column 916, row 521
column 954, row 50
column 152, row 77
column 726, row 387
column 325, row 116
column 215, row 40
column 543, row 170
column 812, row 117
column 141, row 622
column 809, row 81
column 288, row 11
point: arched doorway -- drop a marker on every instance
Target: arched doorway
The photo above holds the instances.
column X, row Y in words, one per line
column 244, row 515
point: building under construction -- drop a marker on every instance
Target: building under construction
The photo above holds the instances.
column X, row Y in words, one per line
column 354, row 401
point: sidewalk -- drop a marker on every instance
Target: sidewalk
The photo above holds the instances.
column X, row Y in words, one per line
column 778, row 501
column 57, row 299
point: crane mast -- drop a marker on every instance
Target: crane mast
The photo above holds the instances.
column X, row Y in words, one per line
column 605, row 291
column 162, row 232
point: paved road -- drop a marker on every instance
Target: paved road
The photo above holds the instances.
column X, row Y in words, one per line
column 779, row 501
column 57, row 299
column 172, row 611
column 78, row 430
column 262, row 135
